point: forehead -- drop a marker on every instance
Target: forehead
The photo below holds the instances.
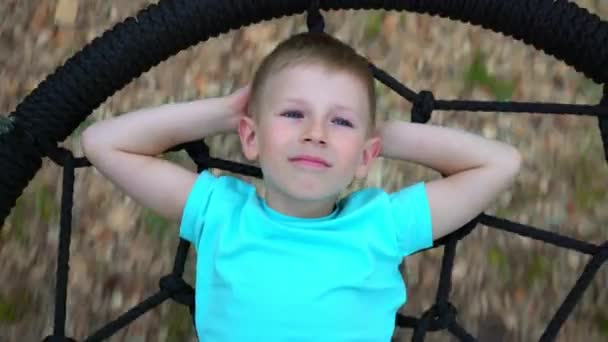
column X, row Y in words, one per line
column 317, row 85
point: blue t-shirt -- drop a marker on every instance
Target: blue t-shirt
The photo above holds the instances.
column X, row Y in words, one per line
column 264, row 276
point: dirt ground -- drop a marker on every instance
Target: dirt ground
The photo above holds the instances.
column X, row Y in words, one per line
column 505, row 287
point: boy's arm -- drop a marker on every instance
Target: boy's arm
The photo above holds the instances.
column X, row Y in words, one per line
column 476, row 170
column 124, row 148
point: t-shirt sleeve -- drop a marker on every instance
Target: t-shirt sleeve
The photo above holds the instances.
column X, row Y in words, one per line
column 412, row 213
column 195, row 209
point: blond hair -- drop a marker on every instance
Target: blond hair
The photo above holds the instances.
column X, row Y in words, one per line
column 314, row 48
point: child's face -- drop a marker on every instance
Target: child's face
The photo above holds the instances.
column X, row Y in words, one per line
column 309, row 110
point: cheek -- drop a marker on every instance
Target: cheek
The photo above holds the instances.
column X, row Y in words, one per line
column 351, row 148
column 276, row 134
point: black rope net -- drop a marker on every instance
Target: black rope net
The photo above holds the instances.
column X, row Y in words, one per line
column 111, row 61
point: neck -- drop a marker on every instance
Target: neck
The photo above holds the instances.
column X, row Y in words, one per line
column 300, row 208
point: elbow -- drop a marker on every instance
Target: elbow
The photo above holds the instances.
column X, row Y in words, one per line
column 507, row 165
column 89, row 141
column 512, row 163
column 86, row 141
column 516, row 160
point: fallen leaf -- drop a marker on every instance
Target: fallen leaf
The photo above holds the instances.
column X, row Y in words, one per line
column 64, row 37
column 200, row 84
column 390, row 24
column 65, row 12
column 40, row 15
column 519, row 295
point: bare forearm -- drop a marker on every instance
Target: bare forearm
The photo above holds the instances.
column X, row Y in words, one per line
column 152, row 131
column 446, row 150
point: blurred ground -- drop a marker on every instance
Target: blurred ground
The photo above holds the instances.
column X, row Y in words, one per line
column 505, row 288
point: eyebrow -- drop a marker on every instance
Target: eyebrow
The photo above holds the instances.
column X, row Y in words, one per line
column 340, row 107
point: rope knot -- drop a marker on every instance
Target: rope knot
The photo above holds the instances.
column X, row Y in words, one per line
column 603, row 253
column 198, row 151
column 440, row 316
column 57, row 154
column 177, row 288
column 314, row 19
column 423, row 107
column 54, row 338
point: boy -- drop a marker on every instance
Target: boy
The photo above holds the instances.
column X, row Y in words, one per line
column 299, row 265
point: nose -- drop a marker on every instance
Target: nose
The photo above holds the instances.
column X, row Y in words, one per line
column 315, row 131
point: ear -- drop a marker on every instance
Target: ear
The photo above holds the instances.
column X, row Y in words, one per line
column 248, row 134
column 371, row 150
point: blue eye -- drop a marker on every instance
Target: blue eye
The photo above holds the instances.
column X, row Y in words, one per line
column 344, row 122
column 292, row 113
column 298, row 114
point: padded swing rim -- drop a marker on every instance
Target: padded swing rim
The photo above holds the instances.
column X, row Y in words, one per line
column 55, row 108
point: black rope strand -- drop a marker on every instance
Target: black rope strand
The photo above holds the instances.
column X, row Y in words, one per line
column 447, row 312
column 406, row 321
column 314, row 19
column 442, row 315
column 180, row 257
column 521, row 107
column 423, row 326
column 392, row 83
column 539, row 234
column 445, row 276
column 54, row 338
column 575, row 294
column 186, row 295
column 63, row 255
column 458, row 331
column 602, row 122
column 112, row 327
column 178, row 290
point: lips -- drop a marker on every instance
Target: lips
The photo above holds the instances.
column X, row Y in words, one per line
column 310, row 159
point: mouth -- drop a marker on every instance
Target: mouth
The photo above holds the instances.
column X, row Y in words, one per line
column 310, row 161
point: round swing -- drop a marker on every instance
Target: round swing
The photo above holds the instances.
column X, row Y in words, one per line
column 53, row 110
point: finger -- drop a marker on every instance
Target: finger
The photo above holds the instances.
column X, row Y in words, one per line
column 243, row 90
column 242, row 95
